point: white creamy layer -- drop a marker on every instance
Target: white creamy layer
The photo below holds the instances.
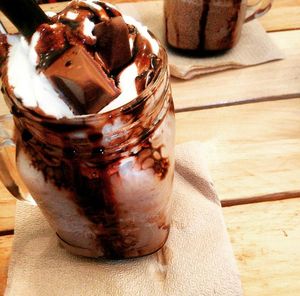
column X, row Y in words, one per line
column 31, row 87
column 36, row 91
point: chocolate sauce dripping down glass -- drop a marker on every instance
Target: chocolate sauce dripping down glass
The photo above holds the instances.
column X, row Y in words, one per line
column 26, row 15
column 203, row 23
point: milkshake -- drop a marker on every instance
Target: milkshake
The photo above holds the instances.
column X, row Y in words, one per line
column 94, row 121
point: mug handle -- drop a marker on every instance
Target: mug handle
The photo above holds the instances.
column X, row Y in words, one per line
column 8, row 170
column 261, row 8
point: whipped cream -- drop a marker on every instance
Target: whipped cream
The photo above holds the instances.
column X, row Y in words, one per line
column 31, row 87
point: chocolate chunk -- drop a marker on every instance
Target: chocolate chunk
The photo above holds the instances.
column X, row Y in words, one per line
column 75, row 19
column 84, row 84
column 113, row 42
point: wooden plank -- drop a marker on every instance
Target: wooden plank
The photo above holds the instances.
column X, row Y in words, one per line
column 5, row 251
column 284, row 15
column 281, row 77
column 268, row 81
column 53, row 7
column 7, row 211
column 274, row 80
column 253, row 150
column 266, row 240
column 7, row 203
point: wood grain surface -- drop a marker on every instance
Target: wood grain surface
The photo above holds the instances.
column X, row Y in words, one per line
column 278, row 79
column 284, row 15
column 242, row 85
column 7, row 212
column 264, row 236
column 5, row 251
column 266, row 240
column 275, row 80
column 253, row 151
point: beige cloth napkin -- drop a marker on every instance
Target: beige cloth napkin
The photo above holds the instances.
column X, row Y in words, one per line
column 254, row 47
column 196, row 260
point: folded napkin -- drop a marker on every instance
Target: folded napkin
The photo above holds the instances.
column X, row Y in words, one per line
column 196, row 260
column 254, row 47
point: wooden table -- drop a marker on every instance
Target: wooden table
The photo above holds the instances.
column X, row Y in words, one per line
column 253, row 149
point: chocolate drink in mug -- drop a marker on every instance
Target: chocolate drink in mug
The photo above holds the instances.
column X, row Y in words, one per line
column 208, row 25
column 94, row 128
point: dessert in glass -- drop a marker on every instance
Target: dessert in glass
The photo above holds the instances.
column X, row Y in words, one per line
column 94, row 128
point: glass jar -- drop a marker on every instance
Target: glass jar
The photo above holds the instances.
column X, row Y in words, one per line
column 103, row 181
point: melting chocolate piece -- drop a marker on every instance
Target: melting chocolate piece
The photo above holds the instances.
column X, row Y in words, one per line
column 76, row 23
column 113, row 43
column 51, row 44
column 84, row 84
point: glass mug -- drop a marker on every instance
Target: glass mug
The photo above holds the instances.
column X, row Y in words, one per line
column 208, row 25
column 102, row 181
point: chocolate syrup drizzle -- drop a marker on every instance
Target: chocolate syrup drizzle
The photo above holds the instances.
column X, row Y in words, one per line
column 229, row 40
column 203, row 22
column 85, row 167
column 87, row 177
